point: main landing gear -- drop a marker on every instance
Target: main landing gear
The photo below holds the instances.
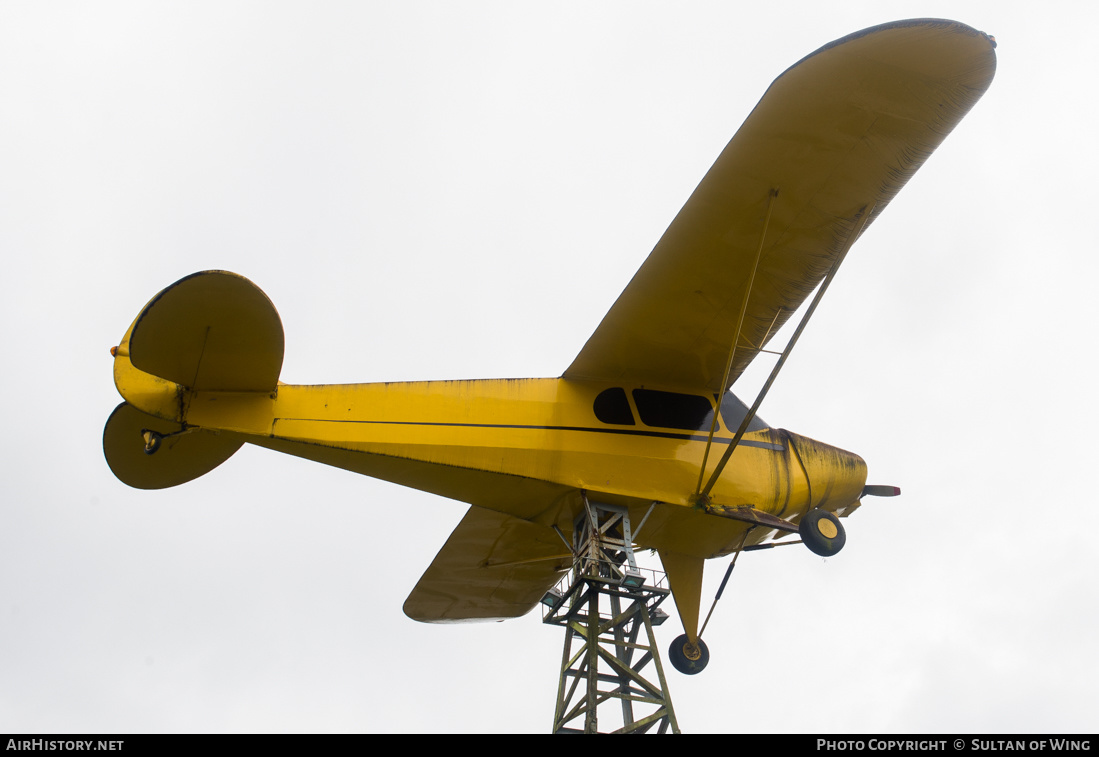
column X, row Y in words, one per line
column 688, row 658
column 820, row 531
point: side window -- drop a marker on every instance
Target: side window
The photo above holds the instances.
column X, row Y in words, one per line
column 733, row 412
column 673, row 410
column 612, row 406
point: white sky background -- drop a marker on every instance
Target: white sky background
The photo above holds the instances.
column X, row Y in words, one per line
column 461, row 190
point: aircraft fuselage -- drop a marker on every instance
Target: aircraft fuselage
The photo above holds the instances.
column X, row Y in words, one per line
column 467, row 439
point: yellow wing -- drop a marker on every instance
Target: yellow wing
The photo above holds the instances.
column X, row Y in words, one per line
column 840, row 131
column 492, row 567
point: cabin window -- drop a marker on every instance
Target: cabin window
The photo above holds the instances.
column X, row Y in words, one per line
column 733, row 412
column 612, row 406
column 672, row 409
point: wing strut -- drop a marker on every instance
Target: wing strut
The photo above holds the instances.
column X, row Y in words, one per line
column 864, row 216
column 736, row 334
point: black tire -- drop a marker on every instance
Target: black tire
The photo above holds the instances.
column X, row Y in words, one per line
column 822, row 533
column 152, row 441
column 680, row 649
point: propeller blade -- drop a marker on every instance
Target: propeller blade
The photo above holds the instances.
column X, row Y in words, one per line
column 872, row 490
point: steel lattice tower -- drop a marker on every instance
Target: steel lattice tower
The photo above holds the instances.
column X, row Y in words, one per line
column 608, row 610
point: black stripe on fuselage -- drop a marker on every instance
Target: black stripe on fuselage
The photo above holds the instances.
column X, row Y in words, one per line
column 696, row 437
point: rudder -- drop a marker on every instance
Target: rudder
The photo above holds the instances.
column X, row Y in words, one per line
column 210, row 331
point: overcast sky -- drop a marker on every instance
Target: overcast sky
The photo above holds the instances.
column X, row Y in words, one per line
column 461, row 190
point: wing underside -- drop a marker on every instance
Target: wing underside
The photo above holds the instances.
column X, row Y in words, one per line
column 835, row 136
column 492, row 567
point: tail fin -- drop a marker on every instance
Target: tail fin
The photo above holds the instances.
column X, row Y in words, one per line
column 211, row 331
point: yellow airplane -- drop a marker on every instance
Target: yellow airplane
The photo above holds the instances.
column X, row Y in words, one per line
column 644, row 417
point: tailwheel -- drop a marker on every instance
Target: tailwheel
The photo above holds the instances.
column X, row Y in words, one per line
column 688, row 658
column 152, row 441
column 822, row 533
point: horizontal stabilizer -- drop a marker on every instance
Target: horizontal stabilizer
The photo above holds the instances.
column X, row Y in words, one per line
column 211, row 331
column 181, row 457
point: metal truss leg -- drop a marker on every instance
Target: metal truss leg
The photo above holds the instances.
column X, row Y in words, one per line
column 608, row 609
